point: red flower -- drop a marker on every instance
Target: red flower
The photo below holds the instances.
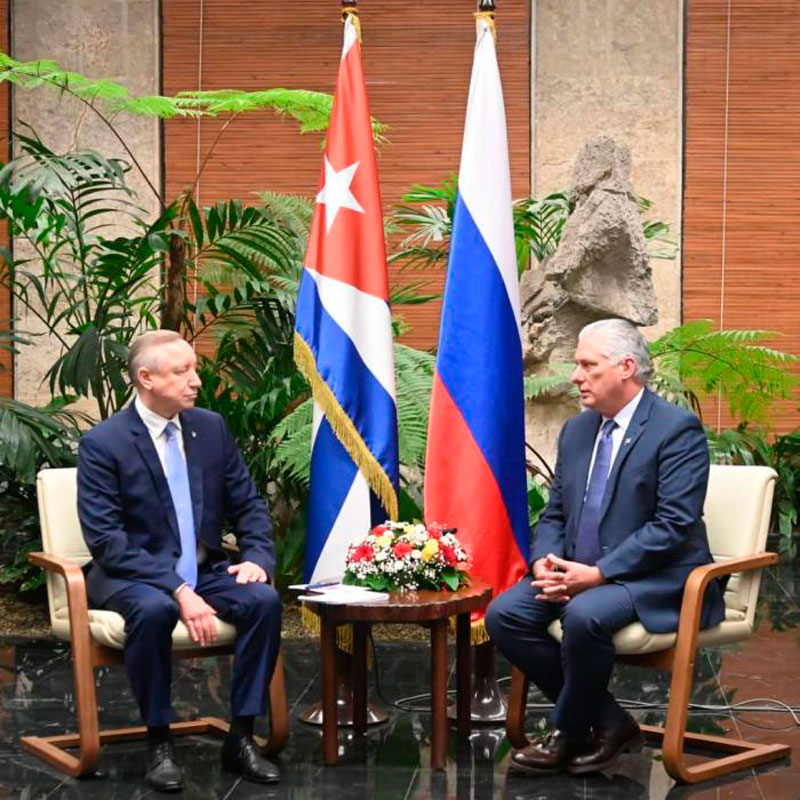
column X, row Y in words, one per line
column 379, row 530
column 434, row 533
column 363, row 552
column 449, row 553
column 402, row 549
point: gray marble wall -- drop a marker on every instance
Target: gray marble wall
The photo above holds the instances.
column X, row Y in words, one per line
column 615, row 67
column 116, row 39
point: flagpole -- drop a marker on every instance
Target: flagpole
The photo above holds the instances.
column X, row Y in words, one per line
column 375, row 714
column 487, row 703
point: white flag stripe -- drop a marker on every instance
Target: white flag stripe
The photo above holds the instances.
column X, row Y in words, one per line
column 352, row 522
column 484, row 181
column 366, row 319
column 350, row 36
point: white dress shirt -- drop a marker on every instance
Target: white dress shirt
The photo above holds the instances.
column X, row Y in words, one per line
column 623, row 419
column 156, row 426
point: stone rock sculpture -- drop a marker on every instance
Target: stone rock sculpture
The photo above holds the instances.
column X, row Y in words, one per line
column 600, row 269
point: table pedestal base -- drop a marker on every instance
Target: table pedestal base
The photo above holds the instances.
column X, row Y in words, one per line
column 376, row 714
column 487, row 703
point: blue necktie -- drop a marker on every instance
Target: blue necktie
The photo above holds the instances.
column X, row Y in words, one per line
column 178, row 480
column 587, row 542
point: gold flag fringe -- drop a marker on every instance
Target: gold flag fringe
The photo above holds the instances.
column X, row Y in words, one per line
column 345, row 430
column 352, row 15
column 488, row 18
column 344, row 633
column 477, row 631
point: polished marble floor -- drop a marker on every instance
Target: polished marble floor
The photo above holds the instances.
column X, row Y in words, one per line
column 392, row 761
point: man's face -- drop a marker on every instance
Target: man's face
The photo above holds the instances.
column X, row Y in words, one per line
column 172, row 382
column 603, row 384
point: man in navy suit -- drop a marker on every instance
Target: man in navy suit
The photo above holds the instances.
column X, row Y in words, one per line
column 156, row 482
column 621, row 532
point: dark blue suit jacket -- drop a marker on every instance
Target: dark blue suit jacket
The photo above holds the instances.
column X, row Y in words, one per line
column 652, row 532
column 126, row 510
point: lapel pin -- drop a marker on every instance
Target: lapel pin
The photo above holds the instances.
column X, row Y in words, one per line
column 194, row 435
column 627, row 441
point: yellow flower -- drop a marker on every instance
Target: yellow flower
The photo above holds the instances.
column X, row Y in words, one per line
column 430, row 549
column 385, row 540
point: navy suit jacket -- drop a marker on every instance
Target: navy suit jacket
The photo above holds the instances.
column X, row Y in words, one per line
column 126, row 510
column 652, row 532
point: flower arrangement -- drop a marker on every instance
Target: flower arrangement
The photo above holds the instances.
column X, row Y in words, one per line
column 400, row 556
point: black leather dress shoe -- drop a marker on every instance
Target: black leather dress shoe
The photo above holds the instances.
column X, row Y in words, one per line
column 607, row 746
column 240, row 756
column 163, row 772
column 550, row 753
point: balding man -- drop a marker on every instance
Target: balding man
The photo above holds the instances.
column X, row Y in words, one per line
column 622, row 530
column 156, row 483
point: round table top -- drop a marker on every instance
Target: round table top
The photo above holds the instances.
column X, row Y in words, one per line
column 419, row 606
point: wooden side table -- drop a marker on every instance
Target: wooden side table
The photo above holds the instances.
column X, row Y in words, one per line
column 428, row 608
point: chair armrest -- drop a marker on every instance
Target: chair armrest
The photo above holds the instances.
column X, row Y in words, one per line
column 695, row 589
column 700, row 577
column 76, row 590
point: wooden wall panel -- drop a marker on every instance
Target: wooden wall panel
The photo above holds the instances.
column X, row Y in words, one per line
column 6, row 308
column 741, row 232
column 417, row 62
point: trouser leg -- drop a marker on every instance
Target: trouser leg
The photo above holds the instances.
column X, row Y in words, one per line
column 590, row 620
column 517, row 623
column 150, row 617
column 254, row 609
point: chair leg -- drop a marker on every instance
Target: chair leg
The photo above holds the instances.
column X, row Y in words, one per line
column 50, row 748
column 674, row 736
column 515, row 719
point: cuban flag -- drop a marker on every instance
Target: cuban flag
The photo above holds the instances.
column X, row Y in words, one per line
column 475, row 461
column 343, row 335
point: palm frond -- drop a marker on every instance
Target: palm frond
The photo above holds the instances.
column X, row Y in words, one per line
column 32, row 437
column 749, row 374
column 311, row 110
column 557, row 380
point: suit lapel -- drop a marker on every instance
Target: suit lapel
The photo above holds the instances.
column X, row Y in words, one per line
column 585, row 458
column 195, row 467
column 634, row 431
column 144, row 444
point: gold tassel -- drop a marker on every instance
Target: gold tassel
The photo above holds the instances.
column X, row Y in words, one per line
column 477, row 631
column 488, row 18
column 344, row 633
column 352, row 15
column 345, row 430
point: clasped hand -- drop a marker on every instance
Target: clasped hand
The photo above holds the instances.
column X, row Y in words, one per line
column 198, row 616
column 558, row 579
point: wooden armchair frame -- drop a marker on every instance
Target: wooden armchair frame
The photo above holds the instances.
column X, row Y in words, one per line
column 679, row 660
column 88, row 654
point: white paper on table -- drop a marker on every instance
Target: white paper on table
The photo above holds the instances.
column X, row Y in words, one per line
column 346, row 595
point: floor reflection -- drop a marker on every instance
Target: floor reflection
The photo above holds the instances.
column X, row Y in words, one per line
column 393, row 760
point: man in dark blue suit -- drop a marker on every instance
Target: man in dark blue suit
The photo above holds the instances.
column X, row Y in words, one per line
column 156, row 482
column 621, row 532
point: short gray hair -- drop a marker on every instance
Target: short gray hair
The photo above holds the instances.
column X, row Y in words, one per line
column 620, row 339
column 141, row 352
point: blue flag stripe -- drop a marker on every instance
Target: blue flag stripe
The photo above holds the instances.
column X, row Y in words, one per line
column 359, row 393
column 332, row 475
column 477, row 318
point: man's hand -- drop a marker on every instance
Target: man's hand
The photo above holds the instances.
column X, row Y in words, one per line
column 197, row 615
column 248, row 572
column 559, row 579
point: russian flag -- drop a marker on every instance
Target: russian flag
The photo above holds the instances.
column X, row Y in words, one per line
column 475, row 461
column 343, row 335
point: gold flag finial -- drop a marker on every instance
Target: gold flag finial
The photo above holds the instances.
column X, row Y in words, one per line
column 350, row 11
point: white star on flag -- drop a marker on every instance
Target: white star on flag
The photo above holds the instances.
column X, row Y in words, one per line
column 336, row 194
